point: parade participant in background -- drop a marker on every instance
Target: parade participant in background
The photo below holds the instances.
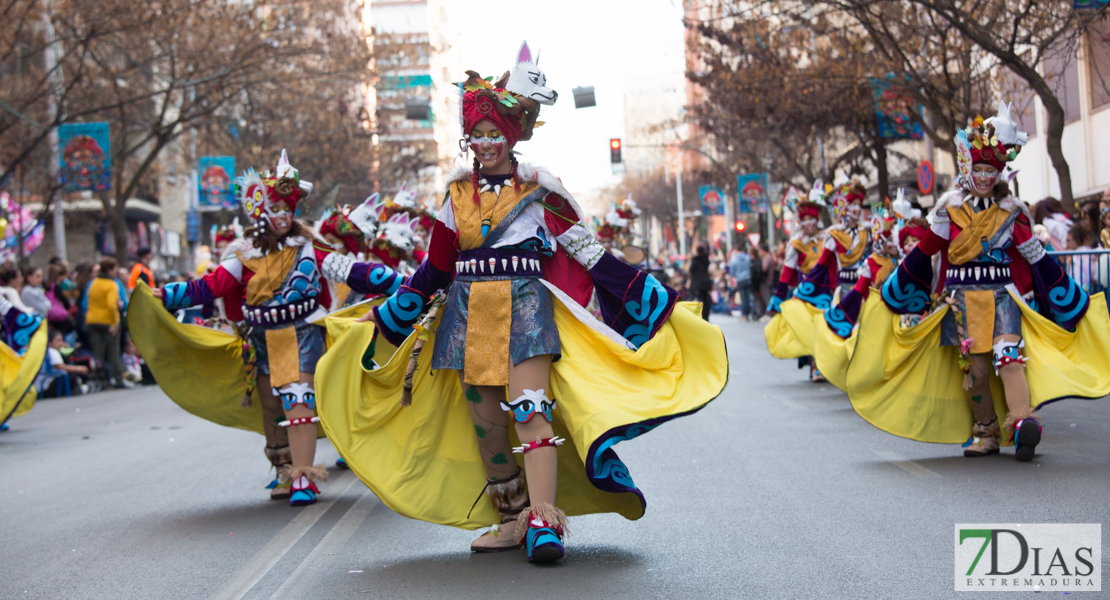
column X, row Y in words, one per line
column 272, row 283
column 513, row 349
column 789, row 334
column 835, row 333
column 994, row 276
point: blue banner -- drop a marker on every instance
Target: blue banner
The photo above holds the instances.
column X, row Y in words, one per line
column 753, row 192
column 85, row 157
column 895, row 109
column 217, row 182
column 712, row 200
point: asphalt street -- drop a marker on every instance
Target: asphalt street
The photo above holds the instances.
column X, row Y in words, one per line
column 775, row 490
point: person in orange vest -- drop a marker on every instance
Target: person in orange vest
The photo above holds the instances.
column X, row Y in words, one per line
column 141, row 270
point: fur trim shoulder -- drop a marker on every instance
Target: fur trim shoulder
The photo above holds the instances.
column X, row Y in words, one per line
column 241, row 245
column 531, row 173
column 459, row 173
column 1013, row 202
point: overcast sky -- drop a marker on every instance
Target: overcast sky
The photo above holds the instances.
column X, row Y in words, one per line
column 581, row 43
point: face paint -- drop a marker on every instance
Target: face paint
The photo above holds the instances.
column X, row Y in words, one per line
column 983, row 178
column 809, row 226
column 852, row 212
column 911, row 243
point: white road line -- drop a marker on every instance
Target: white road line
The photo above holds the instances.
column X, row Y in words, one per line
column 301, row 581
column 250, row 573
column 907, row 465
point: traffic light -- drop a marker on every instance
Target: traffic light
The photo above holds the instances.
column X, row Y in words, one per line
column 615, row 151
column 741, row 226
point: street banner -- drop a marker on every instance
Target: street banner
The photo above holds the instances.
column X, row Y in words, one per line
column 895, row 109
column 712, row 200
column 753, row 192
column 217, row 182
column 85, row 157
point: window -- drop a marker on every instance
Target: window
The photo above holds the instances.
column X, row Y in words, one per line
column 1017, row 90
column 1061, row 70
column 1098, row 62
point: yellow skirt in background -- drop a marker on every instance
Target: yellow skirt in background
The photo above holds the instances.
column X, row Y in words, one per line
column 422, row 460
column 17, row 374
column 904, row 382
column 790, row 334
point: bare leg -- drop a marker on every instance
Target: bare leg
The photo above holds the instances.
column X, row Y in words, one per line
column 302, row 438
column 299, row 401
column 985, row 431
column 1020, row 415
column 504, row 483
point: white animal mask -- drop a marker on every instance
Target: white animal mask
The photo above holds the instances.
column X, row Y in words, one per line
column 365, row 217
column 399, row 231
column 526, row 79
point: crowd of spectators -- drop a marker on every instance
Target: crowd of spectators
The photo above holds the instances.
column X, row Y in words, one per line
column 85, row 309
column 1077, row 234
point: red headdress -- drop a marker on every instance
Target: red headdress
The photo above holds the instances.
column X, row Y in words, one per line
column 808, row 210
column 226, row 234
column 514, row 115
column 258, row 193
column 911, row 229
column 341, row 227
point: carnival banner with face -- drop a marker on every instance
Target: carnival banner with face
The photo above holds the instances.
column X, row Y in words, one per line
column 712, row 200
column 216, row 189
column 753, row 192
column 85, row 157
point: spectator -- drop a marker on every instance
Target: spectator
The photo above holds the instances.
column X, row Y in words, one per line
column 141, row 270
column 1090, row 217
column 102, row 321
column 47, row 381
column 1079, row 266
column 62, row 310
column 740, row 266
column 1050, row 213
column 1104, row 234
column 700, row 283
column 132, row 363
column 32, row 293
column 11, row 283
column 758, row 302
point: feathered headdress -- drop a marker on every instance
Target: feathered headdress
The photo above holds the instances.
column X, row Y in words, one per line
column 258, row 193
column 995, row 141
column 339, row 225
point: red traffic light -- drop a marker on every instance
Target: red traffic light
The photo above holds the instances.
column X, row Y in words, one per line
column 741, row 226
column 615, row 150
column 615, row 143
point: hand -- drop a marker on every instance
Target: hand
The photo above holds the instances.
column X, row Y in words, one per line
column 113, row 330
column 157, row 292
column 83, row 370
column 368, row 317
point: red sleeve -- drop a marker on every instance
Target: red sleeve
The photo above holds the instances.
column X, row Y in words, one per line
column 443, row 248
column 827, row 258
column 863, row 284
column 1019, row 267
column 559, row 215
column 223, row 283
column 789, row 276
column 933, row 243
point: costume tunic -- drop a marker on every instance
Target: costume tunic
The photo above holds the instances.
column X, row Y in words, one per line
column 790, row 332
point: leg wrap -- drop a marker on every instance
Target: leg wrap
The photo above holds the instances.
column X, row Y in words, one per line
column 299, row 421
column 1006, row 352
column 305, row 477
column 527, row 405
column 509, row 496
column 297, row 393
column 539, row 443
column 279, row 455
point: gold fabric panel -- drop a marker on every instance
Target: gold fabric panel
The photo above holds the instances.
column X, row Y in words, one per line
column 974, row 228
column 468, row 219
column 809, row 253
column 855, row 253
column 489, row 318
column 269, row 273
column 342, row 290
column 979, row 307
column 285, row 358
column 886, row 265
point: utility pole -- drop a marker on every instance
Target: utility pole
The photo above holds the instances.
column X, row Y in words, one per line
column 51, row 55
column 681, row 210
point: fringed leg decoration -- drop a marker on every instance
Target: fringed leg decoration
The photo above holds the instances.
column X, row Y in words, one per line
column 510, row 497
column 280, row 457
column 541, row 529
column 1026, row 427
column 984, row 439
column 303, row 483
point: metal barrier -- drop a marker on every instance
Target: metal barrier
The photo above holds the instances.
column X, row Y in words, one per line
column 1089, row 268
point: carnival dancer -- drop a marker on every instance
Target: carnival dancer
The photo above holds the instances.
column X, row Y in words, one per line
column 345, row 238
column 993, row 274
column 789, row 334
column 835, row 333
column 22, row 350
column 273, row 287
column 517, row 265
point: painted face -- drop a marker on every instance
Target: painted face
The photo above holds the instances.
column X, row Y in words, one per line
column 890, row 246
column 911, row 243
column 983, row 178
column 809, row 226
column 280, row 217
column 336, row 243
column 490, row 146
column 852, row 213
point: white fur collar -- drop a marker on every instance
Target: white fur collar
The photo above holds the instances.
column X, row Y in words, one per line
column 956, row 197
column 245, row 247
column 530, row 173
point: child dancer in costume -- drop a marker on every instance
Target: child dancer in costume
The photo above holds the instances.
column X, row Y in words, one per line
column 510, row 249
column 993, row 273
column 789, row 334
column 272, row 284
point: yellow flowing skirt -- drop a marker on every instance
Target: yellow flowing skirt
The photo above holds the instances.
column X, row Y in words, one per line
column 790, row 334
column 832, row 352
column 199, row 368
column 904, row 382
column 17, row 374
column 422, row 460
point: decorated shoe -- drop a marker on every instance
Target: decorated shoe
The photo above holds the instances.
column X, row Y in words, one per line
column 279, row 490
column 510, row 497
column 541, row 529
column 280, row 458
column 341, row 464
column 983, row 441
column 303, row 484
column 1027, row 434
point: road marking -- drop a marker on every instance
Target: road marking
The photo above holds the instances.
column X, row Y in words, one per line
column 907, row 465
column 250, row 573
column 301, row 581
